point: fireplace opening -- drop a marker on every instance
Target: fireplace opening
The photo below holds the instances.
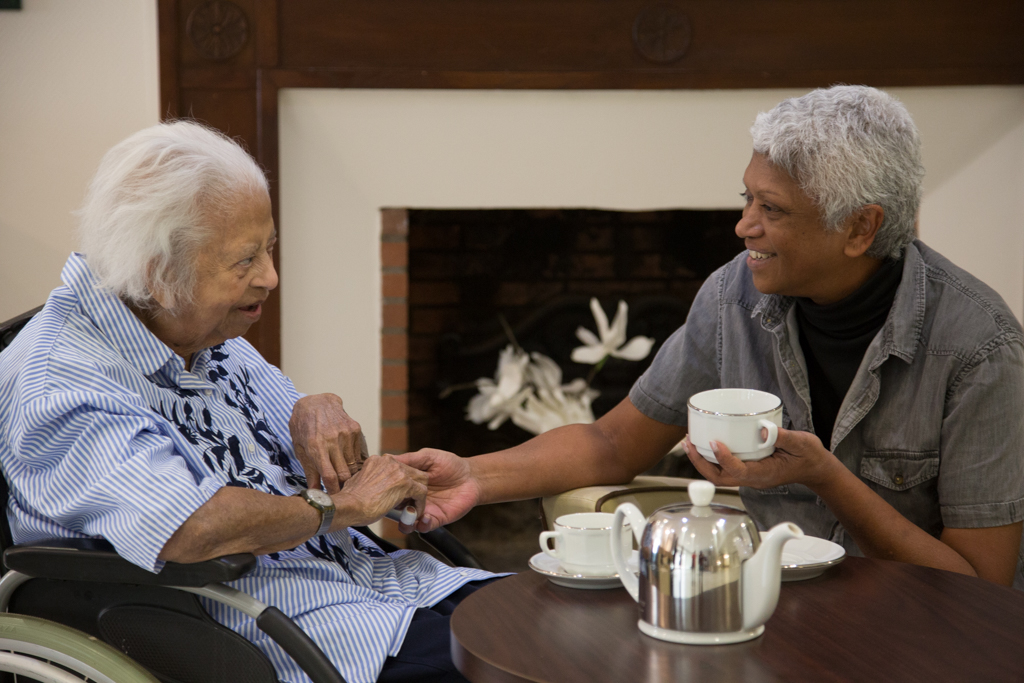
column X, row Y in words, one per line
column 461, row 285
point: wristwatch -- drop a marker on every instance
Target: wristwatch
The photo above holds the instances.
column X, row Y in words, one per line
column 323, row 504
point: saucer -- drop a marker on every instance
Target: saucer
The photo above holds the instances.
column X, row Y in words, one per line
column 550, row 567
column 807, row 557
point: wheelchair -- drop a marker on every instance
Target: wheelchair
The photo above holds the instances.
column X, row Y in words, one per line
column 39, row 650
column 75, row 610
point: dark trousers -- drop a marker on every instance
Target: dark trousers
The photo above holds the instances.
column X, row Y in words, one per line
column 426, row 655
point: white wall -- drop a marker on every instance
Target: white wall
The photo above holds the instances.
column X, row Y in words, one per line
column 973, row 210
column 347, row 153
column 76, row 77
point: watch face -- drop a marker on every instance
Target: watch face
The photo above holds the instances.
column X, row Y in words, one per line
column 319, row 497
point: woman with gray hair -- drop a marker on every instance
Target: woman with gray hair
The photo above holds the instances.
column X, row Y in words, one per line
column 133, row 410
column 900, row 374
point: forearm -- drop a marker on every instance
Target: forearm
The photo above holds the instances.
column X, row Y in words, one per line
column 240, row 520
column 879, row 529
column 562, row 459
column 613, row 450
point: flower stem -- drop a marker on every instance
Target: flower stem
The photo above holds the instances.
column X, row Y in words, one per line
column 596, row 369
column 509, row 333
column 449, row 390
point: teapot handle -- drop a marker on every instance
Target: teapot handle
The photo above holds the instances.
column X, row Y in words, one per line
column 626, row 512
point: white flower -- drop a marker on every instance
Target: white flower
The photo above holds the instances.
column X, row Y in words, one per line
column 528, row 387
column 553, row 404
column 498, row 399
column 612, row 340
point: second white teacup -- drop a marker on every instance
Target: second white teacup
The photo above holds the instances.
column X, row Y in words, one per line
column 582, row 543
column 734, row 417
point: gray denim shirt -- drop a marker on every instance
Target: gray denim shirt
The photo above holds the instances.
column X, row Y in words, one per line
column 932, row 422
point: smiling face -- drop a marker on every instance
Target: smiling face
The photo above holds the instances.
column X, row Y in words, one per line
column 790, row 251
column 234, row 275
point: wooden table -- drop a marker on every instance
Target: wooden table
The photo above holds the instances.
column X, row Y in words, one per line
column 864, row 620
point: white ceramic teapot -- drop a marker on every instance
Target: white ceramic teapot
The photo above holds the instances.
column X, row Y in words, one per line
column 706, row 575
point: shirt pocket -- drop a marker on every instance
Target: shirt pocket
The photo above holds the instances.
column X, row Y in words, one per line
column 899, row 470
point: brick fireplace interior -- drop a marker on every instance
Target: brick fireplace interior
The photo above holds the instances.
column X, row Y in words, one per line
column 451, row 276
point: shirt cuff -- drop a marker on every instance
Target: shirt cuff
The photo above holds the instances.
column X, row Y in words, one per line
column 654, row 409
column 983, row 515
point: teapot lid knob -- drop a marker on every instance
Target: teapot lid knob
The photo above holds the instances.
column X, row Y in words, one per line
column 701, row 492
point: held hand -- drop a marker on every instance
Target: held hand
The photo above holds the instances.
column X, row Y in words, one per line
column 452, row 490
column 799, row 458
column 328, row 443
column 381, row 485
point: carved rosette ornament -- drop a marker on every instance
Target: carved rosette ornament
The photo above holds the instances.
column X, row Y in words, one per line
column 218, row 29
column 661, row 33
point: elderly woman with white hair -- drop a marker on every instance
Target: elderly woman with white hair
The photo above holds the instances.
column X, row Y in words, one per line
column 133, row 410
column 901, row 375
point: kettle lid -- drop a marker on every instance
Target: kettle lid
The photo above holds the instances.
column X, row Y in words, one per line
column 704, row 525
column 701, row 493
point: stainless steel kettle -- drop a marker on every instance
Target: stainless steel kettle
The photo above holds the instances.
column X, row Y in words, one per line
column 706, row 575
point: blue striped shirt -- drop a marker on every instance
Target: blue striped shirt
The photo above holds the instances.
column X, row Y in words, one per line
column 104, row 433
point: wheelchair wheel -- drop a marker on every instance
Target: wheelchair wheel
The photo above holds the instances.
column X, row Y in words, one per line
column 39, row 650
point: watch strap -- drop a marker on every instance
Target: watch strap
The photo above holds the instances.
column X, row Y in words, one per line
column 326, row 511
column 326, row 517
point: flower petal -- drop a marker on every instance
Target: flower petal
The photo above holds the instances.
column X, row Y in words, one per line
column 544, row 372
column 637, row 348
column 617, row 333
column 497, row 421
column 587, row 337
column 478, row 410
column 600, row 318
column 591, row 355
column 511, row 372
column 577, row 386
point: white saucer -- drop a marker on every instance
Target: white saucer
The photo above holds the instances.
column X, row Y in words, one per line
column 807, row 557
column 549, row 567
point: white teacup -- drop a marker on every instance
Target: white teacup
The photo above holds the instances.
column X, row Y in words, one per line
column 583, row 543
column 735, row 417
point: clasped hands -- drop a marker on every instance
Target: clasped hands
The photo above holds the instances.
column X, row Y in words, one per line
column 331, row 448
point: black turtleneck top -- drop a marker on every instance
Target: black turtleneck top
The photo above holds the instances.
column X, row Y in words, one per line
column 834, row 338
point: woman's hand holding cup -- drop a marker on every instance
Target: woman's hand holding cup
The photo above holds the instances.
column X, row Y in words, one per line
column 746, row 421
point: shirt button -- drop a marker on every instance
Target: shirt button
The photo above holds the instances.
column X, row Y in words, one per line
column 252, row 448
column 464, row 573
column 898, row 479
column 208, row 392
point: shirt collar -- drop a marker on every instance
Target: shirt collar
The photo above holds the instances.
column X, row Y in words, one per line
column 123, row 329
column 902, row 329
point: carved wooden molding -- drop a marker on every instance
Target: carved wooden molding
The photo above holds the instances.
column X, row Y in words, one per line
column 218, row 29
column 661, row 33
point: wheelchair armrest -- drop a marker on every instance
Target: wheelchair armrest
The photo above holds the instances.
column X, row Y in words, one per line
column 91, row 559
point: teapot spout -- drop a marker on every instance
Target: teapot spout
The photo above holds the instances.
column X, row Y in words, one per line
column 762, row 575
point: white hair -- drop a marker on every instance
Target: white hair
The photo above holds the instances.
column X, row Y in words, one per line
column 848, row 146
column 152, row 205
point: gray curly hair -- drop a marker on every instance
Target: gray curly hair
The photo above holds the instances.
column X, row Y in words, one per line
column 152, row 205
column 848, row 146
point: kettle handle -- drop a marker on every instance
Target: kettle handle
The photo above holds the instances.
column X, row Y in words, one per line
column 631, row 513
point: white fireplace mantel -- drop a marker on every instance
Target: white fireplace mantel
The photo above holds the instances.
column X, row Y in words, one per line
column 345, row 154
